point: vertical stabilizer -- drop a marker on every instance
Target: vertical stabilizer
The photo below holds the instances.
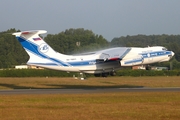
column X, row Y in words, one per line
column 39, row 51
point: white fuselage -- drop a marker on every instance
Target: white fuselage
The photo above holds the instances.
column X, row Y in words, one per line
column 42, row 55
column 88, row 63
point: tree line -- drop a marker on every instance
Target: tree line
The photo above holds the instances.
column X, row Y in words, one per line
column 55, row 73
column 73, row 41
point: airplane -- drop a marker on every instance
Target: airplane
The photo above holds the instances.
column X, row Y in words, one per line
column 98, row 63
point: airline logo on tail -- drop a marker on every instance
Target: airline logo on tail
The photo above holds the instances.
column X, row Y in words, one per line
column 43, row 48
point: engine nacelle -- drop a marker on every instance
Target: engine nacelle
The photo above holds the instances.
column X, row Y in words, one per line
column 137, row 60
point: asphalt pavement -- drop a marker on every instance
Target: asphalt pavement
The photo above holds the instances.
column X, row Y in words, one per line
column 84, row 90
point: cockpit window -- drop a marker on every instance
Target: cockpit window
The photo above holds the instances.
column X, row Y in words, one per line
column 164, row 49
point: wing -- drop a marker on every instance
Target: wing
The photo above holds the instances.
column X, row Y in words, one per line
column 113, row 54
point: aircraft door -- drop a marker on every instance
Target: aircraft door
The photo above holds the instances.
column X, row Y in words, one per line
column 150, row 58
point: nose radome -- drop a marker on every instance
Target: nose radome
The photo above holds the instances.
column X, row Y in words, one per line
column 172, row 53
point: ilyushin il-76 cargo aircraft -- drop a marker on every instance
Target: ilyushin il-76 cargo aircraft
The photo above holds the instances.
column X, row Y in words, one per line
column 99, row 63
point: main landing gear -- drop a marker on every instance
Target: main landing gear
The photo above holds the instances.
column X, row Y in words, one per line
column 82, row 76
column 148, row 67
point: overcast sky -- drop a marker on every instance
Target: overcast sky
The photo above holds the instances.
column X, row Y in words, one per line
column 109, row 18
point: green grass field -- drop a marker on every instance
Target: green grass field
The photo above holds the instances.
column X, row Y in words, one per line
column 96, row 106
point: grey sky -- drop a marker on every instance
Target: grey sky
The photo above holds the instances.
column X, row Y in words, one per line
column 109, row 18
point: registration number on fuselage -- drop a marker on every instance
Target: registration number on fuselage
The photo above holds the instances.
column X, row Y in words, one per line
column 92, row 62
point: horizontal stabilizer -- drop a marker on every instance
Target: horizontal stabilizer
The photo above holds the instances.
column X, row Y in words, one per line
column 32, row 32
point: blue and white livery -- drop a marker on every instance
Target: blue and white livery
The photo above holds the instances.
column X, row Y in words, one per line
column 104, row 61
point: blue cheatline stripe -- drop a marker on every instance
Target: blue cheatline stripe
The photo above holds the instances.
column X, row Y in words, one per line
column 133, row 61
column 29, row 46
column 75, row 64
column 156, row 54
column 34, row 49
column 72, row 64
column 82, row 63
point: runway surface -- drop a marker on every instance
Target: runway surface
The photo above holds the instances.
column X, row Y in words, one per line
column 88, row 90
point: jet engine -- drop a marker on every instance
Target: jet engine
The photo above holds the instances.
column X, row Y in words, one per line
column 135, row 60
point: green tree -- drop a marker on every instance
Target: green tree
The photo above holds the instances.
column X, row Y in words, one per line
column 73, row 41
column 11, row 52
